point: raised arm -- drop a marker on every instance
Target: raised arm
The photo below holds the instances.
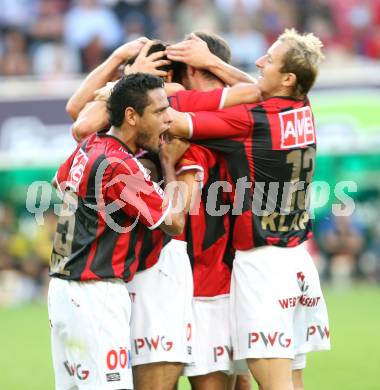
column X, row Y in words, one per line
column 104, row 73
column 195, row 52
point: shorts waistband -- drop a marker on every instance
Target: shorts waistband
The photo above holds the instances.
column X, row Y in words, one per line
column 178, row 244
column 273, row 248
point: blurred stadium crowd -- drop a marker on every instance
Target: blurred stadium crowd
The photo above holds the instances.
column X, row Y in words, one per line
column 53, row 38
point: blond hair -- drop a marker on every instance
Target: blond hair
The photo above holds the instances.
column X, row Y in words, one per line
column 302, row 58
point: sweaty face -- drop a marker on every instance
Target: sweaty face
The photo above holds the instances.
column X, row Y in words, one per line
column 270, row 78
column 154, row 121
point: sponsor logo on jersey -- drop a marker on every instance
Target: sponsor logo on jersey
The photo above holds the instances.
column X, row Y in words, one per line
column 297, row 128
column 77, row 170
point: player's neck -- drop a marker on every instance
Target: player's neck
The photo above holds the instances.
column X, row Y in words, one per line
column 208, row 85
column 125, row 136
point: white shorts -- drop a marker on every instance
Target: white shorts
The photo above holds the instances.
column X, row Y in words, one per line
column 90, row 334
column 277, row 306
column 299, row 362
column 212, row 337
column 161, row 322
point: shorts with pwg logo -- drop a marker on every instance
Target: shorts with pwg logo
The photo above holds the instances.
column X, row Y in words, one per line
column 90, row 334
column 277, row 306
column 212, row 336
column 161, row 322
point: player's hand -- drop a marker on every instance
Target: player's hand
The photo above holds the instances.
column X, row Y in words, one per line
column 173, row 149
column 193, row 52
column 130, row 49
column 148, row 63
column 104, row 93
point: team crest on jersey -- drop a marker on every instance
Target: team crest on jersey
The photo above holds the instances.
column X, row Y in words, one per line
column 77, row 170
column 297, row 128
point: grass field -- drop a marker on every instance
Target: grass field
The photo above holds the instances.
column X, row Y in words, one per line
column 353, row 363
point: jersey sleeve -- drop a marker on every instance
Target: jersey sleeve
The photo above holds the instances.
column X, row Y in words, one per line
column 63, row 173
column 230, row 123
column 132, row 190
column 194, row 101
column 196, row 158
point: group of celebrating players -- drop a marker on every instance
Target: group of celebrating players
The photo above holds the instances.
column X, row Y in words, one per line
column 178, row 249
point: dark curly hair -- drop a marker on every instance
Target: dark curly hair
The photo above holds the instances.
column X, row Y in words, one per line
column 131, row 91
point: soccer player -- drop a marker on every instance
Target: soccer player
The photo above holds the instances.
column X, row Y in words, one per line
column 106, row 191
column 278, row 313
column 161, row 323
column 157, row 315
column 207, row 232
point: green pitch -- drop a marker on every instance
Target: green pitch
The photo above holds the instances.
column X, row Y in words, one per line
column 353, row 363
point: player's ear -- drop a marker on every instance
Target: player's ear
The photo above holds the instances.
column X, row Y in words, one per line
column 289, row 80
column 130, row 116
column 191, row 70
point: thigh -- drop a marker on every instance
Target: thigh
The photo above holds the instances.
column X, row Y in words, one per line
column 211, row 381
column 157, row 376
column 272, row 374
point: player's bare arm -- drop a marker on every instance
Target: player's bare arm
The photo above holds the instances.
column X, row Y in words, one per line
column 242, row 93
column 169, row 155
column 150, row 64
column 91, row 119
column 104, row 73
column 180, row 126
column 94, row 116
column 195, row 52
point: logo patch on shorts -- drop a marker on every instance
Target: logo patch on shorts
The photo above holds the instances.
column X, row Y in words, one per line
column 74, row 369
column 113, row 376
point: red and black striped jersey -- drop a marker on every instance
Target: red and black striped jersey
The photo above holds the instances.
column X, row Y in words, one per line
column 207, row 231
column 193, row 100
column 107, row 196
column 269, row 150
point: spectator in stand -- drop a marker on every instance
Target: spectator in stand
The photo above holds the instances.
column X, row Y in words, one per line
column 341, row 238
column 135, row 26
column 14, row 60
column 274, row 16
column 51, row 58
column 246, row 44
column 93, row 29
column 193, row 15
column 48, row 23
column 163, row 23
column 16, row 13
